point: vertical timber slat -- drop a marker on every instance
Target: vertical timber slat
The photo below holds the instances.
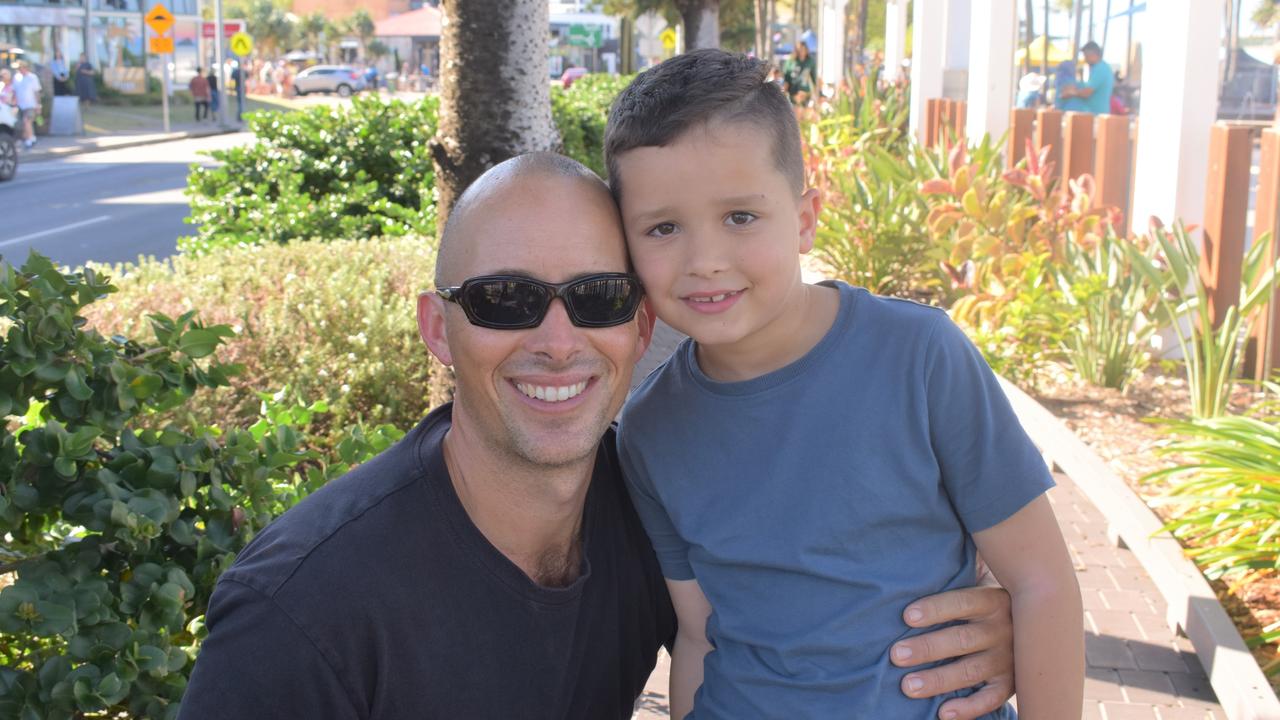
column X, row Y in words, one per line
column 1020, row 122
column 1263, row 354
column 1049, row 134
column 1226, row 205
column 933, row 109
column 1077, row 147
column 1111, row 164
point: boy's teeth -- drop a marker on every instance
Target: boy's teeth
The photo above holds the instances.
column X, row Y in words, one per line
column 713, row 298
column 552, row 393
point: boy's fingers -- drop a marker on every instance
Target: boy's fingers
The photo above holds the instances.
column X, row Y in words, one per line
column 964, row 673
column 962, row 604
column 986, row 700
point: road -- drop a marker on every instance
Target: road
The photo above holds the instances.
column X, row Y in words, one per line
column 108, row 206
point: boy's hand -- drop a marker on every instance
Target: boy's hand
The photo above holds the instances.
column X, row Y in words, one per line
column 982, row 647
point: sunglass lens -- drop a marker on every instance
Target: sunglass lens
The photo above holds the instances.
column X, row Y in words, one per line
column 606, row 301
column 507, row 303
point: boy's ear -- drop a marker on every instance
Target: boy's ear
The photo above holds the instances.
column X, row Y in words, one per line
column 809, row 207
column 646, row 319
column 431, row 326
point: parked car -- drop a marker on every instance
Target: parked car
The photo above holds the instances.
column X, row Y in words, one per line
column 571, row 75
column 339, row 79
column 8, row 142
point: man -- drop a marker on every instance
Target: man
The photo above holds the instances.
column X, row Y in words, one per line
column 1094, row 94
column 26, row 87
column 491, row 564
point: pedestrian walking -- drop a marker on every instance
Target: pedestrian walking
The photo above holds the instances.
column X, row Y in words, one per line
column 199, row 88
column 26, row 86
column 60, row 74
column 212, row 79
column 86, row 89
column 7, row 96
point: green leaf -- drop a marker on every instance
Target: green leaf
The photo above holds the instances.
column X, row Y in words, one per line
column 75, row 383
column 199, row 343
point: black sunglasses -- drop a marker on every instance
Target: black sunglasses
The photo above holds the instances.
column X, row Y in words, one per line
column 512, row 302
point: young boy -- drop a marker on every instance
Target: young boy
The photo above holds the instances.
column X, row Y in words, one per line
column 792, row 457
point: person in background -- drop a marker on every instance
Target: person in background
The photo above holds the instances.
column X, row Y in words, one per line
column 26, row 86
column 199, row 88
column 1094, row 94
column 212, row 79
column 800, row 75
column 1030, row 88
column 58, row 66
column 7, row 96
column 86, row 89
column 1064, row 78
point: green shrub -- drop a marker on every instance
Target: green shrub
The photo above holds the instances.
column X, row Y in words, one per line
column 336, row 326
column 117, row 534
column 580, row 114
column 327, row 172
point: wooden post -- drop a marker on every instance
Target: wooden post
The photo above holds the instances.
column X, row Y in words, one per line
column 1262, row 355
column 1226, row 202
column 1111, row 164
column 933, row 108
column 1020, row 122
column 962, row 119
column 1077, row 145
column 1049, row 134
column 954, row 131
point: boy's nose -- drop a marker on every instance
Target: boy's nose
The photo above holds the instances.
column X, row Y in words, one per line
column 707, row 255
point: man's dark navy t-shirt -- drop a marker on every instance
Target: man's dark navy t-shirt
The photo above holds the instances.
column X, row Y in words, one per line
column 377, row 597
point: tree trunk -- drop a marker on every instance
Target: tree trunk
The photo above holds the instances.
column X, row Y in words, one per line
column 701, row 20
column 1078, row 11
column 859, row 44
column 1029, row 37
column 761, row 28
column 495, row 98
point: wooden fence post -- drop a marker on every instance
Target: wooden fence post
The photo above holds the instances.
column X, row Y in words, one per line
column 1077, row 146
column 1049, row 134
column 961, row 120
column 1111, row 164
column 1263, row 351
column 1226, row 204
column 1020, row 122
column 933, row 112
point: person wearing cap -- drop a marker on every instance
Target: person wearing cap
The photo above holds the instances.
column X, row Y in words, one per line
column 1094, row 94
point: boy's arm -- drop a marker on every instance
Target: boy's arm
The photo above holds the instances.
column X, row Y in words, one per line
column 1029, row 557
column 692, row 611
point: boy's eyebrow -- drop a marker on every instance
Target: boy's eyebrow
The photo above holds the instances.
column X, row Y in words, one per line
column 668, row 211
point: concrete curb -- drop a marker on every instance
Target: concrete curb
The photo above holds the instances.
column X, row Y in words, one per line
column 150, row 139
column 1241, row 687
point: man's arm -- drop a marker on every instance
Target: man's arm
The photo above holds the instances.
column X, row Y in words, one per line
column 1028, row 555
column 692, row 611
column 982, row 648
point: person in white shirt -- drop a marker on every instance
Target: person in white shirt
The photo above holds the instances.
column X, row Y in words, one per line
column 26, row 86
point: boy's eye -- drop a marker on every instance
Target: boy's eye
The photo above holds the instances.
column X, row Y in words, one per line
column 662, row 229
column 740, row 218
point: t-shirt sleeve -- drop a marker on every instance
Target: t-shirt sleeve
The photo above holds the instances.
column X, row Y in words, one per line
column 990, row 468
column 671, row 549
column 256, row 662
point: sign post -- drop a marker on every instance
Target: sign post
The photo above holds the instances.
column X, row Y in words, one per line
column 241, row 45
column 160, row 20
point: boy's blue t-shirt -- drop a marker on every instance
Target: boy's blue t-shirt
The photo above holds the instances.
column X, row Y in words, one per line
column 812, row 504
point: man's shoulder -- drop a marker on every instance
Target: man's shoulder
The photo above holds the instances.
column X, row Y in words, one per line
column 342, row 522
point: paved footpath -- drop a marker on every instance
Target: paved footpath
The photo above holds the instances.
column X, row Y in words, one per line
column 1137, row 668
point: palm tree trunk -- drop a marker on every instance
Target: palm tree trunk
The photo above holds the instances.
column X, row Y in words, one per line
column 495, row 99
column 701, row 20
column 1029, row 36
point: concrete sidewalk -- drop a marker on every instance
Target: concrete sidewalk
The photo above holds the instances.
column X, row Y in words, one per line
column 1137, row 668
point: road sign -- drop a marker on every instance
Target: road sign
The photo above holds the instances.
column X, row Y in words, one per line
column 668, row 38
column 159, row 19
column 161, row 45
column 241, row 44
column 229, row 28
column 585, row 36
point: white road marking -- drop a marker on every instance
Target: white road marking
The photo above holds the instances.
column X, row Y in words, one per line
column 54, row 231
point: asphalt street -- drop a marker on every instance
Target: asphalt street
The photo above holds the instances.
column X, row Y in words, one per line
column 110, row 206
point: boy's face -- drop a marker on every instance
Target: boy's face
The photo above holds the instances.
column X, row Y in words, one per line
column 715, row 231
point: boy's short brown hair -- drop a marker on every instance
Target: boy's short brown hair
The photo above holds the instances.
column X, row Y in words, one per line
column 696, row 88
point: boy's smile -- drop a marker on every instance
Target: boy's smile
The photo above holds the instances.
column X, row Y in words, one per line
column 715, row 230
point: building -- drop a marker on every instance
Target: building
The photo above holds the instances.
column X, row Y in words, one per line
column 413, row 38
column 582, row 36
column 340, row 9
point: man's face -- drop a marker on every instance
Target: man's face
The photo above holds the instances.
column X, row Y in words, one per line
column 1092, row 57
column 553, row 229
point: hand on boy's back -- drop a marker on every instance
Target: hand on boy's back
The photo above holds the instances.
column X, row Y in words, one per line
column 983, row 645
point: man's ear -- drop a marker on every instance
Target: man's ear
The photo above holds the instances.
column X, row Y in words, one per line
column 431, row 326
column 809, row 208
column 645, row 321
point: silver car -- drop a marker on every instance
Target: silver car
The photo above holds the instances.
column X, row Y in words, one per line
column 339, row 79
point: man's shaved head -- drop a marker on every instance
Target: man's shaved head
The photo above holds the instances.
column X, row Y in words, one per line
column 501, row 183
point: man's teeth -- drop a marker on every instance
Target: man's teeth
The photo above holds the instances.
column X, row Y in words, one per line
column 552, row 393
column 712, row 298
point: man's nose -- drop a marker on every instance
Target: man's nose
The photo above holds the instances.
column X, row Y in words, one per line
column 556, row 337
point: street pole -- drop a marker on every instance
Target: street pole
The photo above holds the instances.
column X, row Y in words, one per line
column 223, row 105
column 164, row 92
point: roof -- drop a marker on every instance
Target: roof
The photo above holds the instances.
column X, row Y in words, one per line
column 424, row 22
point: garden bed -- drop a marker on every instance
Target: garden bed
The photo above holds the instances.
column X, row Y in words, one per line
column 1113, row 424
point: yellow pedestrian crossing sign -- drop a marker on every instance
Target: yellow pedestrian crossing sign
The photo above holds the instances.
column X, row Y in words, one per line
column 159, row 19
column 241, row 44
column 668, row 38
